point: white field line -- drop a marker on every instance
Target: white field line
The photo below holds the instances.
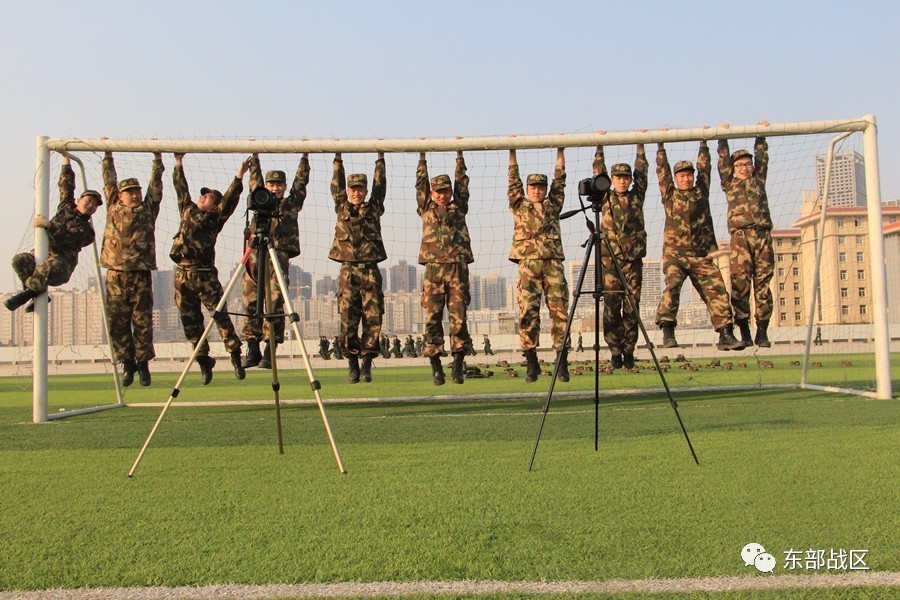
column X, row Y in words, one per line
column 702, row 585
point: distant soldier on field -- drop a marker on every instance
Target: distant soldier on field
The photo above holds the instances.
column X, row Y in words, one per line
column 488, row 351
column 750, row 226
column 324, row 348
column 580, row 347
column 538, row 251
column 68, row 232
column 622, row 221
column 420, row 345
column 359, row 248
column 285, row 235
column 396, row 349
column 129, row 256
column 337, row 348
column 688, row 239
column 385, row 346
column 446, row 252
column 409, row 347
column 194, row 253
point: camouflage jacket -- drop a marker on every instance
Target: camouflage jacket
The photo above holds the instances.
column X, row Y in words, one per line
column 622, row 215
column 196, row 237
column 357, row 233
column 689, row 225
column 129, row 240
column 536, row 232
column 285, row 230
column 445, row 235
column 69, row 230
column 748, row 204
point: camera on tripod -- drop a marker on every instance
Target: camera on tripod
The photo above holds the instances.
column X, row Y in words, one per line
column 262, row 200
column 594, row 188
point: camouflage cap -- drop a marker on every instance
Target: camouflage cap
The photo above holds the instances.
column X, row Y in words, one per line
column 358, row 180
column 93, row 194
column 216, row 193
column 735, row 156
column 441, row 182
column 276, row 176
column 537, row 179
column 684, row 165
column 621, row 169
column 129, row 184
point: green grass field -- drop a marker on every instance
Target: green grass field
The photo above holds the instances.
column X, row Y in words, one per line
column 440, row 490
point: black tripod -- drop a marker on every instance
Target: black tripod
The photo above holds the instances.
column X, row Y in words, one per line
column 267, row 262
column 592, row 245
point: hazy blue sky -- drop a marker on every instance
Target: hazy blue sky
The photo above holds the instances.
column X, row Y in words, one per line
column 404, row 69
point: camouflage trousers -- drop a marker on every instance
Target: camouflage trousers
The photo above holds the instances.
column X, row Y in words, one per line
column 54, row 271
column 620, row 321
column 446, row 284
column 196, row 285
column 537, row 277
column 360, row 299
column 129, row 302
column 707, row 280
column 253, row 326
column 752, row 262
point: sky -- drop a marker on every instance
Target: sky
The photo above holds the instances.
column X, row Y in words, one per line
column 352, row 69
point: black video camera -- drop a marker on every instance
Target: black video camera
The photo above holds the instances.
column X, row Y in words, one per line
column 262, row 200
column 594, row 188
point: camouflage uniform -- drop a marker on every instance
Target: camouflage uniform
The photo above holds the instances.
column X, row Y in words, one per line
column 285, row 238
column 359, row 248
column 194, row 253
column 537, row 249
column 688, row 239
column 622, row 221
column 446, row 251
column 129, row 254
column 69, row 232
column 750, row 226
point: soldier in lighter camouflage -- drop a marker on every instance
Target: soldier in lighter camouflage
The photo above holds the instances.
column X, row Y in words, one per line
column 688, row 239
column 194, row 254
column 359, row 248
column 284, row 234
column 129, row 255
column 743, row 178
column 537, row 250
column 446, row 252
column 68, row 232
column 622, row 220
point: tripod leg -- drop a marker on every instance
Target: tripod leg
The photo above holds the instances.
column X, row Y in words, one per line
column 222, row 303
column 314, row 383
column 266, row 267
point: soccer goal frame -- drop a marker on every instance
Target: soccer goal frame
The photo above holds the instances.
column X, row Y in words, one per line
column 843, row 127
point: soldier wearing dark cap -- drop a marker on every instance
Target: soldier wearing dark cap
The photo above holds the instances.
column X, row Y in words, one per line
column 750, row 225
column 68, row 231
column 196, row 277
column 285, row 237
column 538, row 252
column 622, row 220
column 446, row 252
column 688, row 239
column 129, row 255
column 359, row 248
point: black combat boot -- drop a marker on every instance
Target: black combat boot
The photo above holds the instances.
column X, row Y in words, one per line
column 266, row 360
column 16, row 301
column 129, row 368
column 353, row 371
column 744, row 327
column 563, row 372
column 762, row 337
column 668, row 329
column 206, row 364
column 365, row 372
column 437, row 371
column 143, row 368
column 458, row 370
column 238, row 366
column 727, row 341
column 628, row 360
column 616, row 361
column 253, row 356
column 532, row 367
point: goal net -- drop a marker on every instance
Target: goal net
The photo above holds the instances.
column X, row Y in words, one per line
column 836, row 338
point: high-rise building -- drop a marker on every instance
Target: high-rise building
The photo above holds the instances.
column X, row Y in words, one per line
column 327, row 286
column 475, row 291
column 163, row 289
column 403, row 277
column 847, row 186
column 493, row 292
column 301, row 282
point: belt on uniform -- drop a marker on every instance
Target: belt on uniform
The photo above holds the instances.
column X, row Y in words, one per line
column 754, row 228
column 360, row 265
column 192, row 264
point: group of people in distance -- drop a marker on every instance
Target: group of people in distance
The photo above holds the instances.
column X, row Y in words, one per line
column 129, row 255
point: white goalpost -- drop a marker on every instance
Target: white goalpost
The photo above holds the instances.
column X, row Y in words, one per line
column 487, row 167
